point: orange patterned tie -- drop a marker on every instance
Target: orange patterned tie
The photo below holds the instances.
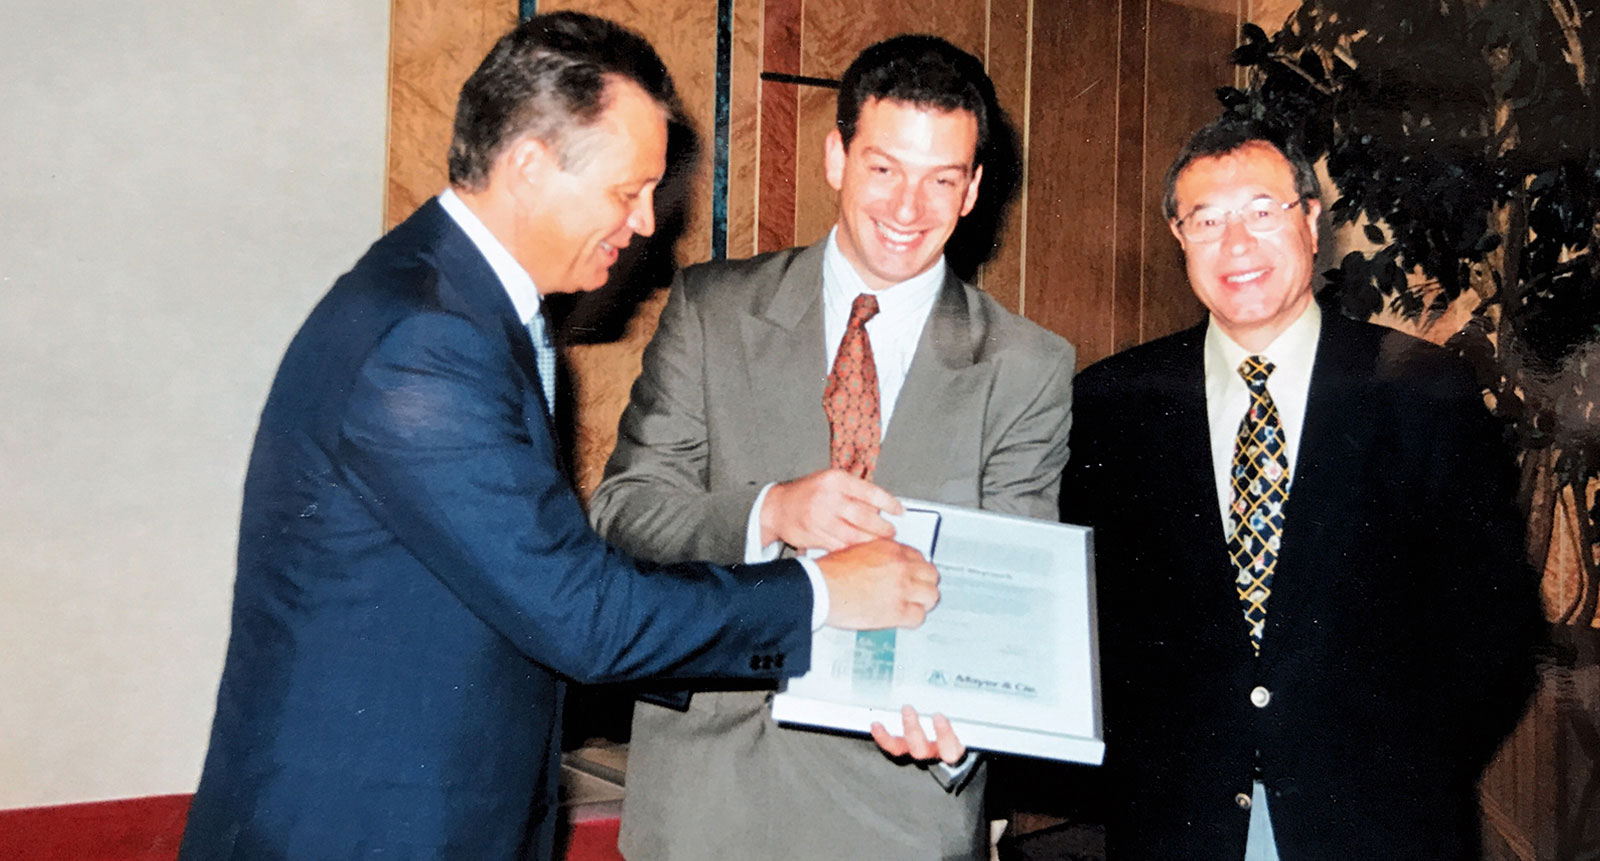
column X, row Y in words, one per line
column 850, row 399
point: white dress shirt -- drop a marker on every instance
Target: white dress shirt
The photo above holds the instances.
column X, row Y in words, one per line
column 894, row 331
column 1228, row 398
column 519, row 286
column 1292, row 354
column 515, row 280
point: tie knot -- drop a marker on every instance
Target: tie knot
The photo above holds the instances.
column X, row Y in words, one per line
column 864, row 308
column 1255, row 371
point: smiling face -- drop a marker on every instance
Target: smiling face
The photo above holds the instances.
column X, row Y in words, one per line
column 582, row 213
column 1254, row 286
column 905, row 180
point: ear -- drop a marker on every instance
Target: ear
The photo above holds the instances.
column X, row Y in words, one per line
column 529, row 160
column 1313, row 212
column 833, row 159
column 1172, row 225
column 972, row 190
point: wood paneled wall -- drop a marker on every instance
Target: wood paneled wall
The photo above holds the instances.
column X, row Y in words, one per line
column 1114, row 96
column 1101, row 94
column 433, row 46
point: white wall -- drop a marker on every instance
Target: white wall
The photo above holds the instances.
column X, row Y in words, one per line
column 179, row 181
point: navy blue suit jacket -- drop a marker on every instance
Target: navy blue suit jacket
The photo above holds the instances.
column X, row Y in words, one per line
column 1398, row 647
column 416, row 582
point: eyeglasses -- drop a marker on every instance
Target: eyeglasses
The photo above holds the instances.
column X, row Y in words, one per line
column 1260, row 216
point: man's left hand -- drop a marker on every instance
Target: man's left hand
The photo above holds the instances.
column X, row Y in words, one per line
column 915, row 744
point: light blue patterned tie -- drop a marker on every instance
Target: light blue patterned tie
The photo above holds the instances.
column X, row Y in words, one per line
column 545, row 357
column 1260, row 479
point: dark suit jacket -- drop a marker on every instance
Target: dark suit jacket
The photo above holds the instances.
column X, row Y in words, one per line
column 1397, row 648
column 416, row 582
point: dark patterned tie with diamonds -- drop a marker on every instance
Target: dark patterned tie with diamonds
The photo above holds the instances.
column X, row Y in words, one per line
column 1260, row 480
column 850, row 399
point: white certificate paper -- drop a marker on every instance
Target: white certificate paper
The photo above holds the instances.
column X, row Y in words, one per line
column 1009, row 655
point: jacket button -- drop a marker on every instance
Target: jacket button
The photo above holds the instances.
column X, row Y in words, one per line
column 1242, row 800
column 1260, row 697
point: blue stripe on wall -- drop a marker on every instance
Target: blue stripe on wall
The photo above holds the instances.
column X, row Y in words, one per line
column 527, row 8
column 719, row 164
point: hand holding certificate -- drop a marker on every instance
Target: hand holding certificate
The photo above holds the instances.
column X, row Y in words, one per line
column 1008, row 655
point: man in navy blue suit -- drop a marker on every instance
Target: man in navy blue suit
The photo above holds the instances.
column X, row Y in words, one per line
column 416, row 581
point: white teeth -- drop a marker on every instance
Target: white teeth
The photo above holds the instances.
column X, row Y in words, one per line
column 1247, row 276
column 895, row 236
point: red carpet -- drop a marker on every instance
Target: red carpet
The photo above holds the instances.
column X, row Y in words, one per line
column 149, row 829
column 133, row 829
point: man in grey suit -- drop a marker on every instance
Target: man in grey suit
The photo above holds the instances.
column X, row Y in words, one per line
column 740, row 442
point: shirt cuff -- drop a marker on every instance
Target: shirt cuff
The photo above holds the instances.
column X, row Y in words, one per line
column 819, row 593
column 753, row 549
column 953, row 776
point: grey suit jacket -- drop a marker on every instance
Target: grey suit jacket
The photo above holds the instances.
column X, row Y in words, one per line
column 730, row 399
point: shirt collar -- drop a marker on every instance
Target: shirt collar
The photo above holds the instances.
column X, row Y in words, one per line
column 516, row 281
column 841, row 283
column 1294, row 349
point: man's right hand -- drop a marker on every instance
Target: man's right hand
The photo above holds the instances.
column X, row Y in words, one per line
column 878, row 584
column 827, row 510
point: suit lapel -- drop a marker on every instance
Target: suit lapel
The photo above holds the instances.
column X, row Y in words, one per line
column 785, row 369
column 482, row 298
column 1326, row 473
column 943, row 389
column 1183, row 443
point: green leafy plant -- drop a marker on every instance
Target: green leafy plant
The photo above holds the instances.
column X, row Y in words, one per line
column 1464, row 139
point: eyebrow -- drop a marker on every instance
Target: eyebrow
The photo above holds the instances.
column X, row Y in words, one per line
column 872, row 150
column 1199, row 206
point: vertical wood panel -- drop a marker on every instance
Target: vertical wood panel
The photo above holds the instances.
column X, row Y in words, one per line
column 1133, row 125
column 744, row 128
column 816, row 204
column 1006, row 56
column 780, row 112
column 781, row 35
column 1179, row 99
column 433, row 46
column 1072, row 170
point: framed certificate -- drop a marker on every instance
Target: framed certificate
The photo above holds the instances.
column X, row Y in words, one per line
column 1009, row 655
